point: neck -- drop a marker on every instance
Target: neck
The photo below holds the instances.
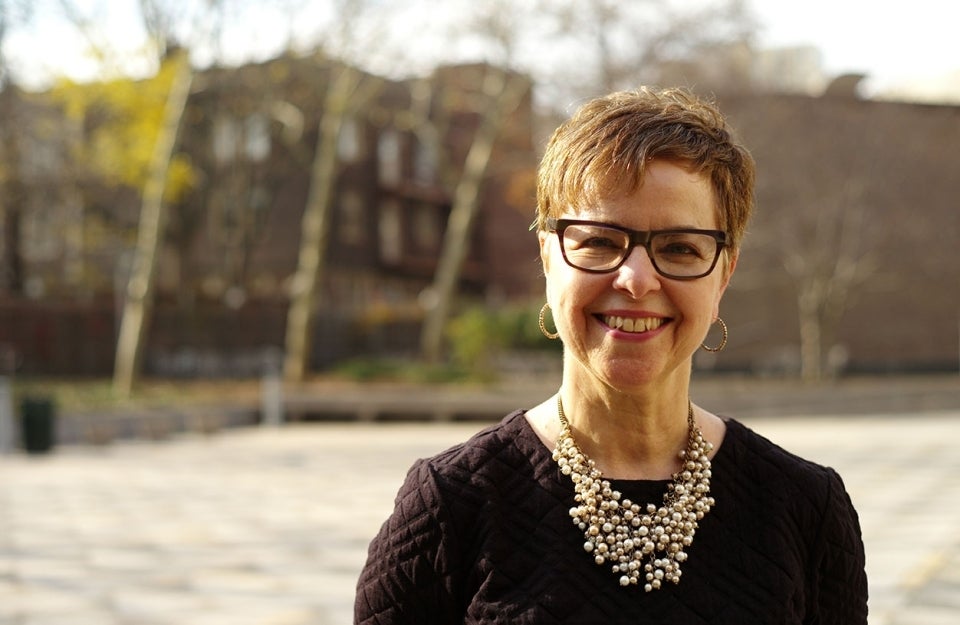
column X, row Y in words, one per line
column 634, row 436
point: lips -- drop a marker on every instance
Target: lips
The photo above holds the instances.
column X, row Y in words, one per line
column 634, row 325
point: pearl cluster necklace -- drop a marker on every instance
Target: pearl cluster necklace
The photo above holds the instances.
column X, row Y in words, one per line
column 618, row 531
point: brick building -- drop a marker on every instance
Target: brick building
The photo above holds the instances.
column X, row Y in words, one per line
column 857, row 220
column 232, row 244
column 857, row 199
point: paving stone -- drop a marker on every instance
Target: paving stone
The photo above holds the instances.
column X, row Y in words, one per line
column 269, row 526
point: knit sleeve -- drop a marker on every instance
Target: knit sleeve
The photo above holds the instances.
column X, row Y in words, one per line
column 841, row 586
column 410, row 575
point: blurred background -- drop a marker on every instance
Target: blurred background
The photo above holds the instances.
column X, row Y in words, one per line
column 222, row 190
column 222, row 213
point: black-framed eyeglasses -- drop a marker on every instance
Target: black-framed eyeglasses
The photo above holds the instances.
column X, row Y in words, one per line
column 597, row 247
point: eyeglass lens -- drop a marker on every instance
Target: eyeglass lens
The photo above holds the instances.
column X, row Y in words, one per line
column 674, row 254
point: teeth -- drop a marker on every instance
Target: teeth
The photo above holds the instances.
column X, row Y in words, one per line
column 630, row 324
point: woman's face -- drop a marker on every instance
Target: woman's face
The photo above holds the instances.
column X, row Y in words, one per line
column 675, row 314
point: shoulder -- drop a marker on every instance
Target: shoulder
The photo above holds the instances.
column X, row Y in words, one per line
column 759, row 463
column 799, row 509
column 756, row 453
column 417, row 563
column 798, row 495
column 494, row 451
column 449, row 495
column 449, row 486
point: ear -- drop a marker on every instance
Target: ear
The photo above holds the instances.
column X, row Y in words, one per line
column 728, row 268
column 544, row 237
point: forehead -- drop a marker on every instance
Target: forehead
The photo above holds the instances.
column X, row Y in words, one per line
column 668, row 195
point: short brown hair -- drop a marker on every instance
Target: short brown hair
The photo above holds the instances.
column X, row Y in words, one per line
column 603, row 149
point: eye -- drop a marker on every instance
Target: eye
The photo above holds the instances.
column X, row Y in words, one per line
column 686, row 246
column 596, row 238
column 679, row 248
column 599, row 242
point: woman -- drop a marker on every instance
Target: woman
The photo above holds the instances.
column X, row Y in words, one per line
column 618, row 500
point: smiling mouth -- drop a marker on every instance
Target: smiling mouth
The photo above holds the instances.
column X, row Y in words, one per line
column 630, row 324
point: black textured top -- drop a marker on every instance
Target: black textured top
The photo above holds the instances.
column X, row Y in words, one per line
column 481, row 533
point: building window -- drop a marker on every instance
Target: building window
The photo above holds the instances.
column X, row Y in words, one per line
column 425, row 163
column 351, row 218
column 388, row 157
column 391, row 232
column 226, row 139
column 426, row 228
column 257, row 137
column 349, row 141
column 249, row 137
column 40, row 158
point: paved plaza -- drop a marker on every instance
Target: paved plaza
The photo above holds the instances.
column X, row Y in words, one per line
column 269, row 525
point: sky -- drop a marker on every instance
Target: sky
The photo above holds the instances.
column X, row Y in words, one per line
column 896, row 44
column 910, row 46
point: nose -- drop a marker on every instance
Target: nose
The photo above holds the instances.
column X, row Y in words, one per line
column 637, row 275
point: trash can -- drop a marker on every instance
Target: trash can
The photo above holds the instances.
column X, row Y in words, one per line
column 38, row 424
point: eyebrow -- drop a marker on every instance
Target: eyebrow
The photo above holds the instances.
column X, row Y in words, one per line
column 618, row 225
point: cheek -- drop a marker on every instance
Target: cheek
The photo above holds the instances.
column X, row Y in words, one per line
column 572, row 295
column 558, row 288
column 563, row 290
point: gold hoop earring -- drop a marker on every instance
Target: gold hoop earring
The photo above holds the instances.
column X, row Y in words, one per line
column 543, row 325
column 723, row 339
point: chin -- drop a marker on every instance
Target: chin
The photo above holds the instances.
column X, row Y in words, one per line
column 628, row 374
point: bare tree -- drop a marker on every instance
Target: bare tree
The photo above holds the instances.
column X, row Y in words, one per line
column 349, row 92
column 605, row 45
column 12, row 193
column 153, row 219
column 11, row 187
column 160, row 21
column 827, row 267
column 817, row 213
column 500, row 93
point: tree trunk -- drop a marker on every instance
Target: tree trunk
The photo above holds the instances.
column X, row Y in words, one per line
column 12, row 196
column 811, row 336
column 153, row 217
column 11, row 278
column 341, row 96
column 504, row 92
